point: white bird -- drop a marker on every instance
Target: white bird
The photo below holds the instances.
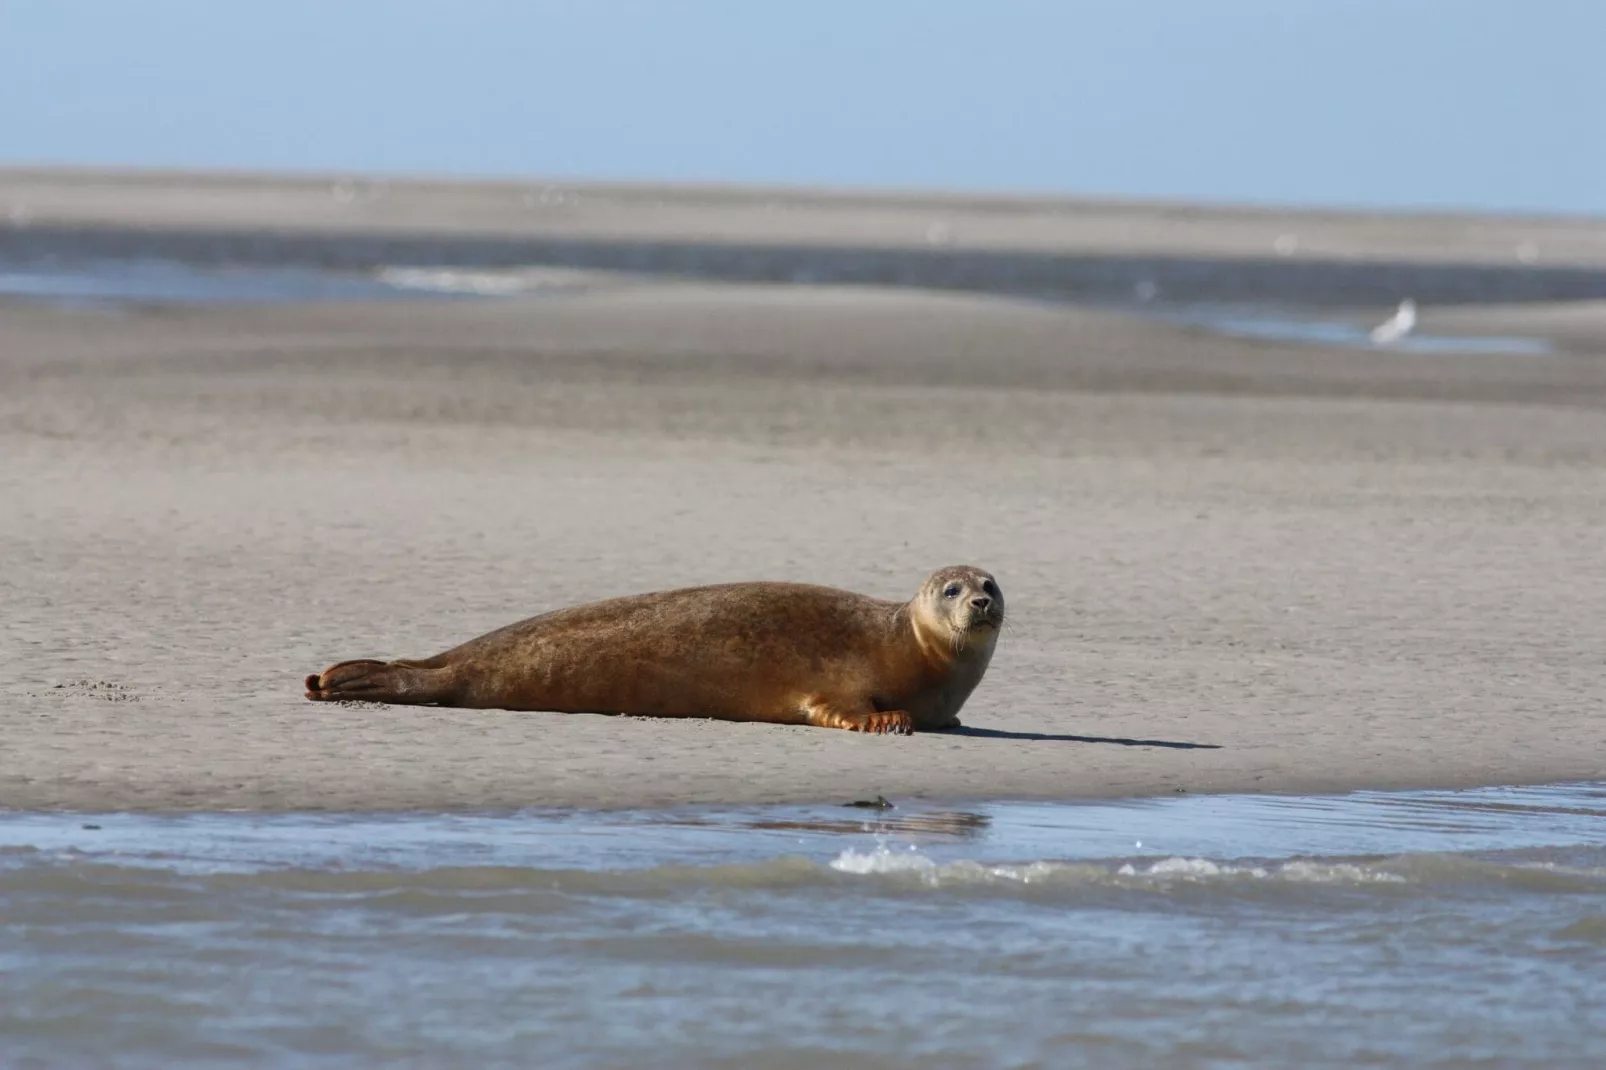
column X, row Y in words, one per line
column 1396, row 326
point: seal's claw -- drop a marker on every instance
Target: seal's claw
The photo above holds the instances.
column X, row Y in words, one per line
column 887, row 723
column 874, row 722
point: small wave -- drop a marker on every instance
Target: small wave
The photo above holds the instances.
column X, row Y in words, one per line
column 888, row 870
column 1298, row 871
column 1425, row 869
column 885, row 861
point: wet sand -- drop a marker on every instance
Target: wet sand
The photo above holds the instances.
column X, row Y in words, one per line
column 1231, row 565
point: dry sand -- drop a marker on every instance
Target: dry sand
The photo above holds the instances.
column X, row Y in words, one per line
column 1232, row 566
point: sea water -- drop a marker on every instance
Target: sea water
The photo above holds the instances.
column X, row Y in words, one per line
column 1411, row 929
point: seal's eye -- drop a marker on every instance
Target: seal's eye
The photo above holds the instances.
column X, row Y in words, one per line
column 951, row 591
column 991, row 588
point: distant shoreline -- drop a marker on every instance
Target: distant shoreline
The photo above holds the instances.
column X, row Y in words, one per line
column 549, row 208
column 728, row 193
column 1063, row 250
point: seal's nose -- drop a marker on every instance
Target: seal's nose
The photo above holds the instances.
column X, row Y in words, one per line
column 980, row 603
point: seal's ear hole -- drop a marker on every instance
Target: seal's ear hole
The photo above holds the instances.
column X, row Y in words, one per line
column 951, row 591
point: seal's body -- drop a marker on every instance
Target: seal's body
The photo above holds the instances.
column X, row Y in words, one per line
column 784, row 653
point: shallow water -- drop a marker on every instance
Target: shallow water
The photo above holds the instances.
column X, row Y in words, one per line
column 1275, row 325
column 115, row 282
column 1417, row 929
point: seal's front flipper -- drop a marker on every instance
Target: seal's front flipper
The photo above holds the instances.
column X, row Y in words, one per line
column 879, row 722
column 378, row 681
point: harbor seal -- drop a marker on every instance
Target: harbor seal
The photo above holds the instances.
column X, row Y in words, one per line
column 782, row 653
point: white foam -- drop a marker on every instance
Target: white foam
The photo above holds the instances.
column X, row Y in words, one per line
column 1176, row 867
column 1300, row 871
column 885, row 860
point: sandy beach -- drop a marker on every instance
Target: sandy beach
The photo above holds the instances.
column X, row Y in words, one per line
column 1231, row 565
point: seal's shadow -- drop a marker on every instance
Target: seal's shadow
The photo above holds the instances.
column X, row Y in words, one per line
column 1053, row 737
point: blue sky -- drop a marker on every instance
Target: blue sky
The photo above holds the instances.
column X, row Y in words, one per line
column 1437, row 103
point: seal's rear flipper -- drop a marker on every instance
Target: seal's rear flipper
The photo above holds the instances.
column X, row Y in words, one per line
column 378, row 681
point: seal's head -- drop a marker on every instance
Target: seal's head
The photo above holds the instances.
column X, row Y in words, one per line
column 960, row 605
